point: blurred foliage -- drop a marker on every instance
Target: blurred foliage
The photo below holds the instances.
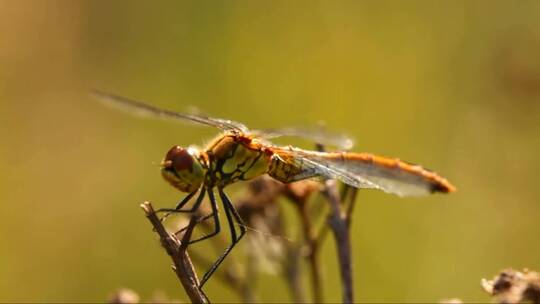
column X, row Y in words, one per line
column 452, row 85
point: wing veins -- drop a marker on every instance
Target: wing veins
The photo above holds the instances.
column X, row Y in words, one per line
column 143, row 109
column 359, row 174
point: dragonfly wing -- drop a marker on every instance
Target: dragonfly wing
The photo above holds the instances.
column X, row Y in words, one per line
column 145, row 110
column 293, row 165
column 317, row 135
column 363, row 170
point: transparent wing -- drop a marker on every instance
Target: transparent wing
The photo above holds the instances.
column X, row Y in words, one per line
column 305, row 167
column 363, row 170
column 317, row 135
column 142, row 109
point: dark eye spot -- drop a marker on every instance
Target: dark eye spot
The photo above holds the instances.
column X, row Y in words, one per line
column 179, row 159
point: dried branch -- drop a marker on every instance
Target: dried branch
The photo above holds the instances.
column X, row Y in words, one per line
column 177, row 250
column 339, row 223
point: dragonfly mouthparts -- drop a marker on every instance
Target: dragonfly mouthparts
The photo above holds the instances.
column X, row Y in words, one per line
column 166, row 163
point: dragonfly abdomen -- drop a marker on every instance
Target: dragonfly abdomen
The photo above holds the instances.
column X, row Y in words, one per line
column 360, row 170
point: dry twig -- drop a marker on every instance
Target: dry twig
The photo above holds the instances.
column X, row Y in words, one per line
column 339, row 224
column 177, row 250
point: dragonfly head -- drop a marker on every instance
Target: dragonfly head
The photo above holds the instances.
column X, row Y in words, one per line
column 182, row 169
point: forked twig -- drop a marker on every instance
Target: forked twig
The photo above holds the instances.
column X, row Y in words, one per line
column 177, row 250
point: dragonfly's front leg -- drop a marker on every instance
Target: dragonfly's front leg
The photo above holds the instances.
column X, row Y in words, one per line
column 214, row 214
column 232, row 218
column 200, row 220
column 183, row 202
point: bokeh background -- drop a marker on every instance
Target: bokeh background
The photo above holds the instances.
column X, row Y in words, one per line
column 452, row 85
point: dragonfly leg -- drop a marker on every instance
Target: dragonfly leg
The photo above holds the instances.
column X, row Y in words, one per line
column 180, row 204
column 214, row 214
column 237, row 217
column 202, row 219
column 232, row 218
column 178, row 208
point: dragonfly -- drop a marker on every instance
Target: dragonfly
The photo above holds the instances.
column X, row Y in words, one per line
column 240, row 154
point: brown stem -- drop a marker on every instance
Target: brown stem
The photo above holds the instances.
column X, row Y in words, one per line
column 177, row 250
column 352, row 203
column 293, row 273
column 313, row 251
column 339, row 224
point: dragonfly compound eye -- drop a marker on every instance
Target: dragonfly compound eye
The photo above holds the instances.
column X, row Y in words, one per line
column 182, row 169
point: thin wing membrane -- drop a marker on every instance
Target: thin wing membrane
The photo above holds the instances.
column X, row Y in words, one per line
column 290, row 166
column 142, row 109
column 317, row 135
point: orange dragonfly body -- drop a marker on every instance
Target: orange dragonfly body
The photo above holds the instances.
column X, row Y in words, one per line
column 236, row 157
column 239, row 154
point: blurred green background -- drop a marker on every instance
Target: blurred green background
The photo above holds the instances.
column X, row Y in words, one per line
column 452, row 85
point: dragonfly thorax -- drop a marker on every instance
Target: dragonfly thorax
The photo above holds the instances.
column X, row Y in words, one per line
column 182, row 168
